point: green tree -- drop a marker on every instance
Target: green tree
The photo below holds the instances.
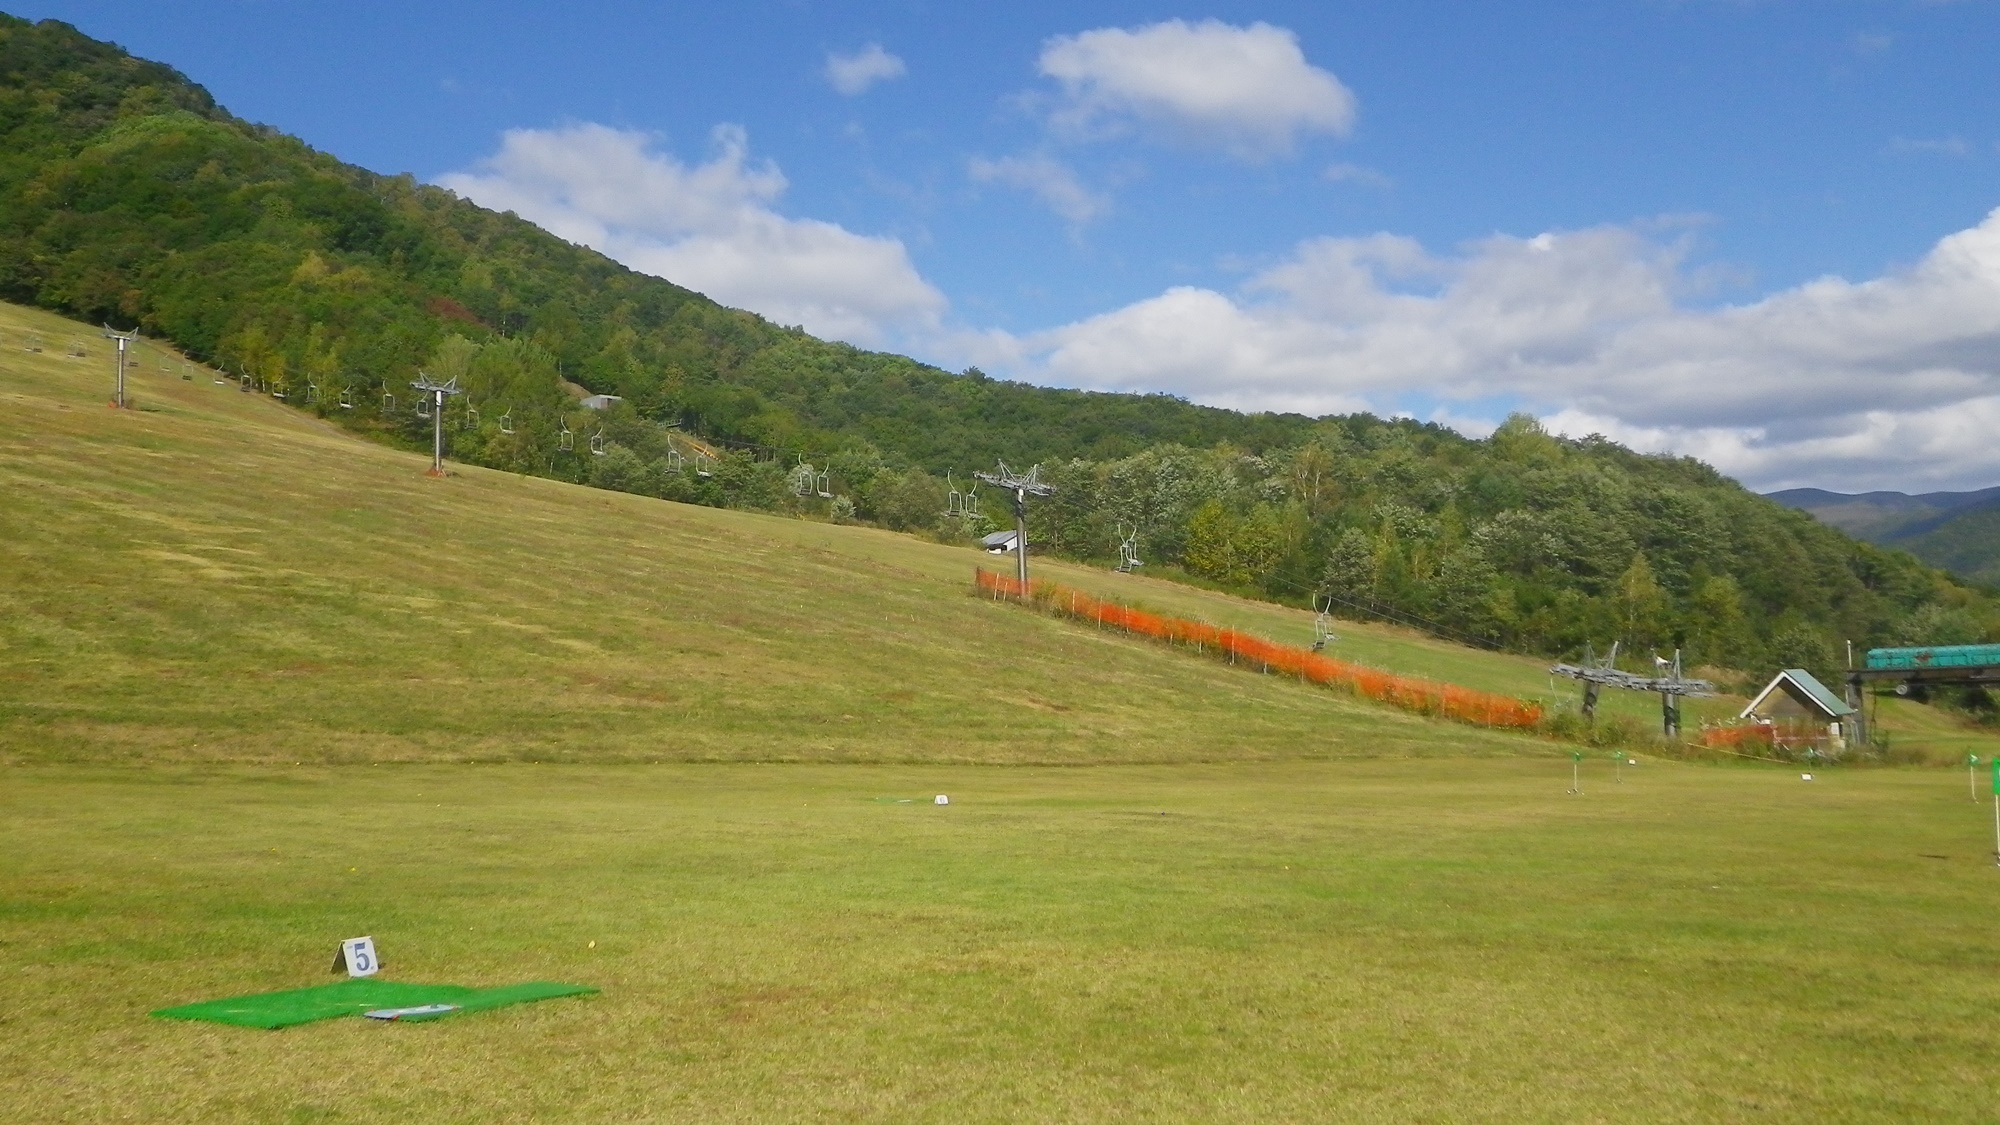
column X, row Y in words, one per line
column 1717, row 626
column 1350, row 564
column 1803, row 646
column 1210, row 550
column 1641, row 606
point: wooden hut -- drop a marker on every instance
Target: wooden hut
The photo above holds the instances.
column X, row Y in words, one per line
column 1801, row 709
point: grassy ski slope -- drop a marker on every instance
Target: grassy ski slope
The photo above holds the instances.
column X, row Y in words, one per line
column 210, row 576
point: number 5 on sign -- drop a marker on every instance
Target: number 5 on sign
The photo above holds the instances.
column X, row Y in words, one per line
column 357, row 956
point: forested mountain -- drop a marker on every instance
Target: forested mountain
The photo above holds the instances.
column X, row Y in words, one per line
column 1959, row 531
column 127, row 195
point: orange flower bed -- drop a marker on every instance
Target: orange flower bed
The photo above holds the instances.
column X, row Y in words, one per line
column 1425, row 697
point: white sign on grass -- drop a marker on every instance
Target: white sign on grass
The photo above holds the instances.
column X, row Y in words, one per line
column 357, row 956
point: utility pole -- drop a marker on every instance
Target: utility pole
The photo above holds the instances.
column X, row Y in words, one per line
column 1022, row 485
column 438, row 392
column 123, row 339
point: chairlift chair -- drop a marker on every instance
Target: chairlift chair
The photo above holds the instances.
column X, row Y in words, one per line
column 674, row 460
column 346, row 399
column 388, row 403
column 471, row 419
column 187, row 373
column 565, row 439
column 825, row 484
column 802, row 479
column 244, row 382
column 34, row 343
column 77, row 350
column 278, row 391
column 597, row 443
column 702, row 464
column 1128, row 549
column 1322, row 621
column 954, row 500
column 507, row 421
column 423, row 406
column 312, row 392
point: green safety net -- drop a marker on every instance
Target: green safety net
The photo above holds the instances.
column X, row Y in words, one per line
column 366, row 994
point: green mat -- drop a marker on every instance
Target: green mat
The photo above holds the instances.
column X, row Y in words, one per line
column 353, row 997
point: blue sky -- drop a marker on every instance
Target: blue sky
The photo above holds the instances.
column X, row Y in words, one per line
column 1621, row 216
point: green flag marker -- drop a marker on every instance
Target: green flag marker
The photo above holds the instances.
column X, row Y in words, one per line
column 1996, row 809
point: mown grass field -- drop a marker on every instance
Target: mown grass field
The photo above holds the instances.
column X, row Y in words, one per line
column 1387, row 940
column 264, row 686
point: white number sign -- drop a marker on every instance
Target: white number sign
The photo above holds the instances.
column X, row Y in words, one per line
column 359, row 953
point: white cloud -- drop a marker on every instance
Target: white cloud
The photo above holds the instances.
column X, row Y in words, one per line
column 1867, row 43
column 1248, row 90
column 1047, row 179
column 854, row 74
column 1357, row 174
column 1934, row 146
column 709, row 227
column 1891, row 382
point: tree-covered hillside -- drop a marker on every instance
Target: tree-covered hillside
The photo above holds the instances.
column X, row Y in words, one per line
column 127, row 195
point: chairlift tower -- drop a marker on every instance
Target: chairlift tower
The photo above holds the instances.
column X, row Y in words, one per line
column 1022, row 485
column 124, row 339
column 1667, row 680
column 436, row 393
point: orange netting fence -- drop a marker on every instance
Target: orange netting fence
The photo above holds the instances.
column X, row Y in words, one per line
column 1782, row 739
column 1425, row 697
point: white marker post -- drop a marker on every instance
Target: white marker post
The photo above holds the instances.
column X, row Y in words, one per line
column 1971, row 777
column 1576, row 771
column 1996, row 810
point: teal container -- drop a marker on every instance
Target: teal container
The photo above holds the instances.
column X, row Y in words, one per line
column 1935, row 656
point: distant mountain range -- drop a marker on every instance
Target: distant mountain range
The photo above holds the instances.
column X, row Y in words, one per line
column 1959, row 531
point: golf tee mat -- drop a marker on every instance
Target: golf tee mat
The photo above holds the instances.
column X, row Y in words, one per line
column 363, row 996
